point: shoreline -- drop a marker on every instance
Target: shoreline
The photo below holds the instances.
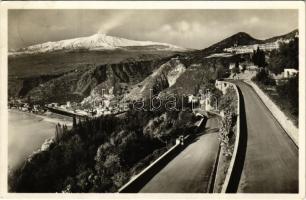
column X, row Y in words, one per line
column 47, row 117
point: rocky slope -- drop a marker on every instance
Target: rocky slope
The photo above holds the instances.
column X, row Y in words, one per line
column 78, row 84
column 288, row 36
column 125, row 84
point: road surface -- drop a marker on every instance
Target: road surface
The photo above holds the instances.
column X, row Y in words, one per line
column 190, row 171
column 271, row 158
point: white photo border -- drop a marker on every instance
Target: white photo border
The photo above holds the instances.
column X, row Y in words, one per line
column 5, row 6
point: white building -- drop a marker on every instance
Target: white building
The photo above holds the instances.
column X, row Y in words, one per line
column 252, row 67
column 68, row 104
column 208, row 106
column 290, row 72
column 53, row 105
column 246, row 49
column 232, row 66
column 221, row 85
column 193, row 99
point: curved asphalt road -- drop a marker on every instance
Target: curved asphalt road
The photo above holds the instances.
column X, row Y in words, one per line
column 271, row 158
column 191, row 170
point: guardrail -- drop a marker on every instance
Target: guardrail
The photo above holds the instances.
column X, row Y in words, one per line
column 229, row 174
column 138, row 181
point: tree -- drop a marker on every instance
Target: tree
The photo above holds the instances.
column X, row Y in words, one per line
column 220, row 71
column 243, row 67
column 119, row 179
column 236, row 68
column 258, row 58
column 286, row 57
column 290, row 93
column 263, row 77
column 112, row 161
column 74, row 122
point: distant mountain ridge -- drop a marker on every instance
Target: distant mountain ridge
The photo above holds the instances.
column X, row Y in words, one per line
column 287, row 36
column 97, row 41
column 242, row 38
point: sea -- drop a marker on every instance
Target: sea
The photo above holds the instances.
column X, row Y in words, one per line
column 26, row 133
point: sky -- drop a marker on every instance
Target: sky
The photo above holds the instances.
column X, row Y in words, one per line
column 195, row 29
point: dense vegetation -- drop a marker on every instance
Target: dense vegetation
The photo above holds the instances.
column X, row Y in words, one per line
column 228, row 101
column 289, row 96
column 228, row 104
column 263, row 77
column 258, row 58
column 100, row 155
column 286, row 92
column 286, row 57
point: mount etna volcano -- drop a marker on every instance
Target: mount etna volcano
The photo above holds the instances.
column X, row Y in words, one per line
column 96, row 42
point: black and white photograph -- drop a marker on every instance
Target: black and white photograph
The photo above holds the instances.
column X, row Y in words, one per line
column 166, row 100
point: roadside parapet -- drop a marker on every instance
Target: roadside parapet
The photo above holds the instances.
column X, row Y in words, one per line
column 223, row 85
column 139, row 180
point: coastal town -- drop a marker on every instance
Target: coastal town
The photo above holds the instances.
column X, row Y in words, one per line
column 69, row 109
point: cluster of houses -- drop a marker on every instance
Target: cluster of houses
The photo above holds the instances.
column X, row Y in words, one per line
column 205, row 102
column 284, row 76
column 95, row 111
column 102, row 110
column 25, row 107
column 69, row 107
column 246, row 49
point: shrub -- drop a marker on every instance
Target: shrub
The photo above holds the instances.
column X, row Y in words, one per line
column 226, row 131
column 228, row 102
column 289, row 92
column 286, row 57
column 264, row 78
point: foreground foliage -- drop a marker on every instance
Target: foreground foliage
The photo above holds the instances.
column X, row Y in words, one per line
column 99, row 155
column 228, row 104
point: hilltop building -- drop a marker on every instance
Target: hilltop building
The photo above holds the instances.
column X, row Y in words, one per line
column 247, row 49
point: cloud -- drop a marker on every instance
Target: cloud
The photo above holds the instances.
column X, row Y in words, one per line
column 179, row 29
column 251, row 21
column 113, row 22
column 254, row 20
column 183, row 33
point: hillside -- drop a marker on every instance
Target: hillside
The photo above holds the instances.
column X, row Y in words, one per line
column 23, row 68
column 240, row 38
column 287, row 36
column 78, row 83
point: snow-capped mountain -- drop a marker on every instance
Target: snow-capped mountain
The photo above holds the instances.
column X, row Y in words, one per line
column 97, row 41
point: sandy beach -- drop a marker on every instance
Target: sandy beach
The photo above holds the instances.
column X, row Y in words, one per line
column 47, row 116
